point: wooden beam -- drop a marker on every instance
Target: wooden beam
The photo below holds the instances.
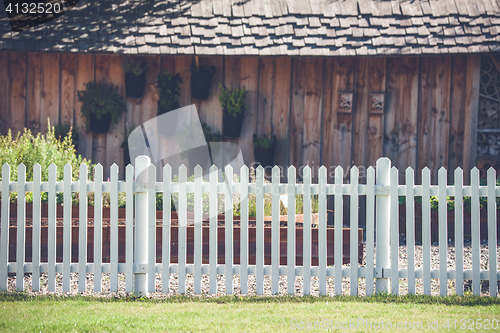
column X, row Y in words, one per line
column 471, row 113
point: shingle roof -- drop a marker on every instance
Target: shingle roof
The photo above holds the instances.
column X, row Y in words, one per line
column 267, row 27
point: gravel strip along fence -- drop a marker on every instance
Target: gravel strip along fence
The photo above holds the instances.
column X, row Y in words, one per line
column 267, row 280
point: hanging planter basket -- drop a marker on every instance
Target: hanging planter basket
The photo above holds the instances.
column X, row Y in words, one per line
column 264, row 155
column 201, row 78
column 231, row 125
column 135, row 84
column 100, row 126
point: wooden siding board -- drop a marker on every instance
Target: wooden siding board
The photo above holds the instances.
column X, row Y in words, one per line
column 210, row 110
column 183, row 67
column 50, row 90
column 297, row 111
column 85, row 74
column 267, row 74
column 312, row 113
column 344, row 70
column 34, row 92
column 4, row 93
column 115, row 136
column 149, row 107
column 17, row 91
column 68, row 87
column 360, row 116
column 471, row 113
column 281, row 110
column 249, row 78
column 401, row 111
column 376, row 83
column 457, row 114
column 102, row 74
column 434, row 113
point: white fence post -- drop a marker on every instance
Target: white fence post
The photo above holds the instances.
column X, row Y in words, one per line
column 382, row 226
column 141, row 225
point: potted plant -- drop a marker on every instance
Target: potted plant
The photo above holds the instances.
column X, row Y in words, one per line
column 135, row 76
column 62, row 131
column 264, row 148
column 101, row 106
column 201, row 78
column 233, row 104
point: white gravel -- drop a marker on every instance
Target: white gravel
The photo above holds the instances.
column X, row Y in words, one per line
column 267, row 280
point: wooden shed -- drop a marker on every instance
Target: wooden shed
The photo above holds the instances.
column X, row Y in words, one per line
column 339, row 82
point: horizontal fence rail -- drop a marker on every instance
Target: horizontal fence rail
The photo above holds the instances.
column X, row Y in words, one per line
column 381, row 193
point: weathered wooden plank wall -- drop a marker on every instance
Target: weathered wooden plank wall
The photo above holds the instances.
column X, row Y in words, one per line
column 429, row 117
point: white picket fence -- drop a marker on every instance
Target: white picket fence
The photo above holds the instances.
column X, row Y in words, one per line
column 381, row 191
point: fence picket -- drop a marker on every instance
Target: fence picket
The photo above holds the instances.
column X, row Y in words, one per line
column 353, row 260
column 307, row 232
column 339, row 198
column 492, row 232
column 244, row 230
column 290, row 244
column 182, row 211
column 35, row 257
column 322, row 247
column 82, row 231
column 459, row 232
column 4, row 226
column 198, row 237
column 51, row 244
column 426, row 229
column 259, row 232
column 151, row 228
column 394, row 231
column 166, row 228
column 443, row 232
column 129, row 229
column 66, row 228
column 370, row 228
column 21, row 229
column 275, row 235
column 213, row 229
column 113, row 231
column 228, row 227
column 475, row 216
column 98, row 171
column 410, row 229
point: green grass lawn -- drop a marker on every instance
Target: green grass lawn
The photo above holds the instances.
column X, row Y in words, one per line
column 22, row 313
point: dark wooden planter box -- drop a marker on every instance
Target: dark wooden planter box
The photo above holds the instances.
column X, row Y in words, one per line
column 190, row 244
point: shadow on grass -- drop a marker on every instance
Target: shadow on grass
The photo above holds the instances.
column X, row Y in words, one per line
column 382, row 298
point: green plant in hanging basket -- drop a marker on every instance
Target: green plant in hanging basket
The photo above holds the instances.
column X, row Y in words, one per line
column 264, row 141
column 169, row 91
column 134, row 65
column 233, row 102
column 101, row 100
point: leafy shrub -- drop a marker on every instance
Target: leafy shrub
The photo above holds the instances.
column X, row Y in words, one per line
column 203, row 71
column 233, row 102
column 264, row 141
column 43, row 149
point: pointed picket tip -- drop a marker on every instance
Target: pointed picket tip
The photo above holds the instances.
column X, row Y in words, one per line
column 198, row 169
column 370, row 168
column 491, row 170
column 114, row 166
column 244, row 168
column 52, row 167
column 22, row 166
column 98, row 166
column 260, row 168
column 426, row 169
column 354, row 169
column 229, row 168
column 83, row 167
column 276, row 168
column 442, row 169
column 339, row 169
column 409, row 169
column 130, row 168
column 213, row 168
column 183, row 168
column 474, row 170
column 370, row 171
column 306, row 171
column 458, row 169
column 67, row 167
column 322, row 168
